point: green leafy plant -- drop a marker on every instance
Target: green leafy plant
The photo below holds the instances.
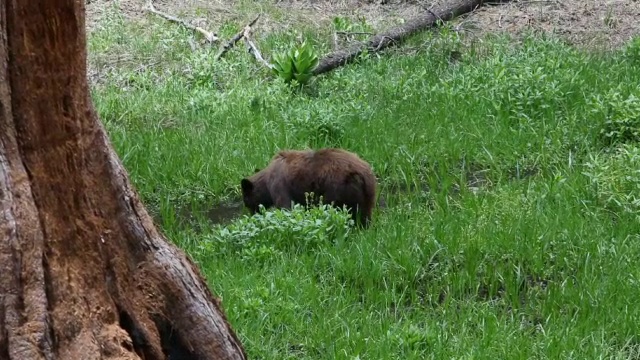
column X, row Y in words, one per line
column 320, row 131
column 616, row 178
column 261, row 236
column 631, row 51
column 341, row 23
column 621, row 117
column 297, row 64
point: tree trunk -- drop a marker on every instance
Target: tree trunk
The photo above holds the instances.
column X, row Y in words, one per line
column 84, row 274
column 396, row 35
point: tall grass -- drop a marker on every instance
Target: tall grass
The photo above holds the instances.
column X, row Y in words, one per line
column 512, row 227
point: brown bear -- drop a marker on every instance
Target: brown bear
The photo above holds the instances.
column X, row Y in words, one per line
column 340, row 177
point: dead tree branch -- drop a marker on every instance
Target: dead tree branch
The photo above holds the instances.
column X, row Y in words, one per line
column 209, row 36
column 253, row 49
column 235, row 39
column 429, row 19
column 349, row 33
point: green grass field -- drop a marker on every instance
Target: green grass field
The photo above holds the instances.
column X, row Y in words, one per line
column 511, row 178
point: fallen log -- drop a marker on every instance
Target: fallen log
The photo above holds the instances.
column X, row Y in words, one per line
column 424, row 21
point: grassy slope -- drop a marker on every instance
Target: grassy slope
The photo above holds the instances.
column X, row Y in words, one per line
column 540, row 263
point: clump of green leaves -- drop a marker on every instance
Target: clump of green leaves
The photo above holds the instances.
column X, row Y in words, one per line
column 411, row 336
column 616, row 178
column 345, row 24
column 342, row 24
column 317, row 124
column 632, row 50
column 263, row 235
column 297, row 64
column 621, row 117
column 322, row 131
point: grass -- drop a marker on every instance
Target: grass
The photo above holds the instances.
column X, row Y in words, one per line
column 537, row 260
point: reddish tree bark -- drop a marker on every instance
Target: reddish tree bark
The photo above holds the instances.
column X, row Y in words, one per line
column 84, row 274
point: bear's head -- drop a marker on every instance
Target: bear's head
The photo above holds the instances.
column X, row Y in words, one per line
column 255, row 193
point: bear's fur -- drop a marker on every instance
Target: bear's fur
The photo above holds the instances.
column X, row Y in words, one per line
column 339, row 176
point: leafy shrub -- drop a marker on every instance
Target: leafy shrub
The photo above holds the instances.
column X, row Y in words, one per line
column 320, row 131
column 616, row 178
column 524, row 85
column 317, row 123
column 621, row 117
column 199, row 71
column 632, row 50
column 298, row 64
column 358, row 27
column 263, row 235
column 411, row 336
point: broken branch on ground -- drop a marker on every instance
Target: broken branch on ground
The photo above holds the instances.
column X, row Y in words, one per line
column 210, row 37
column 251, row 48
column 235, row 39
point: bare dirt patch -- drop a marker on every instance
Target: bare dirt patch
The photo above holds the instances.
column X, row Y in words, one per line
column 587, row 23
column 197, row 12
column 97, row 9
column 594, row 24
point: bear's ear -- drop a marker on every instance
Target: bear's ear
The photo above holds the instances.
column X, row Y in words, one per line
column 246, row 185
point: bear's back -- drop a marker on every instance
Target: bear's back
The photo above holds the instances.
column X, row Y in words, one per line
column 330, row 164
column 338, row 176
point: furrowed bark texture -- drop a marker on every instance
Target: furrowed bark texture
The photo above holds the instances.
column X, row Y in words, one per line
column 424, row 21
column 84, row 274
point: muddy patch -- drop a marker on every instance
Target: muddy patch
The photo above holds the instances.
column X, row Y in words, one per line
column 197, row 216
column 222, row 213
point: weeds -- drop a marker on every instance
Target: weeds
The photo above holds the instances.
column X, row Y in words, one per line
column 261, row 236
